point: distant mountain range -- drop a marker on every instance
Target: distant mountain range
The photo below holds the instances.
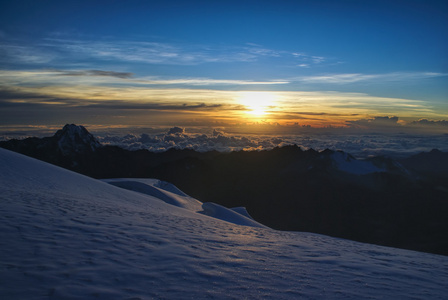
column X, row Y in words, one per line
column 400, row 203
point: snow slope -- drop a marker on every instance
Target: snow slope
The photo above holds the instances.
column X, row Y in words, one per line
column 67, row 236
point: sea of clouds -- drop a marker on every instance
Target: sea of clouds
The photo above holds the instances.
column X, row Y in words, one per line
column 359, row 145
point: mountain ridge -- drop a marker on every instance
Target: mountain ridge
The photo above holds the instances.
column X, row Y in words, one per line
column 399, row 203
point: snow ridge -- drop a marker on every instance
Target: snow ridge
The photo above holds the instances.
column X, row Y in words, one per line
column 217, row 211
column 153, row 187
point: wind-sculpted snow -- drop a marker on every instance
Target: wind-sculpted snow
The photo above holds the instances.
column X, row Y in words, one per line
column 169, row 187
column 67, row 236
column 242, row 211
column 220, row 212
column 150, row 187
column 169, row 194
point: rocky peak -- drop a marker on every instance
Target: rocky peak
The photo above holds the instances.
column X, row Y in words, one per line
column 75, row 139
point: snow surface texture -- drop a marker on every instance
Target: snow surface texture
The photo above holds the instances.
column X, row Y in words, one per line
column 67, row 236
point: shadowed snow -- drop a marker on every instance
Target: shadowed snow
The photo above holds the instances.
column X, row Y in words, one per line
column 159, row 189
column 67, row 236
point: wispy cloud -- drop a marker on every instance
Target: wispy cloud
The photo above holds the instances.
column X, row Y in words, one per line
column 306, row 60
column 130, row 51
column 165, row 53
column 205, row 81
column 63, row 51
column 126, row 105
column 54, row 77
column 26, row 98
column 325, row 107
column 359, row 77
column 375, row 122
column 93, row 90
column 24, row 54
column 94, row 73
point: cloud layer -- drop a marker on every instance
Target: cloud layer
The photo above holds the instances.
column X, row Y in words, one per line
column 360, row 145
column 361, row 139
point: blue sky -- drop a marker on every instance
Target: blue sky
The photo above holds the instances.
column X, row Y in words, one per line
column 315, row 63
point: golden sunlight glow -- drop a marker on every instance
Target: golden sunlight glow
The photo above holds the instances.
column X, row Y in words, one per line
column 257, row 103
column 131, row 102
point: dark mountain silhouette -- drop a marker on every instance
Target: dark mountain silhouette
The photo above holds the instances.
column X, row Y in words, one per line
column 75, row 139
column 433, row 166
column 379, row 200
column 69, row 146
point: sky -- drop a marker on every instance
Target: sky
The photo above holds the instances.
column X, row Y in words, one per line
column 225, row 64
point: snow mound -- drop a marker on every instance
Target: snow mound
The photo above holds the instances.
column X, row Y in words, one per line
column 162, row 190
column 170, row 194
column 67, row 236
column 242, row 211
column 347, row 163
column 229, row 215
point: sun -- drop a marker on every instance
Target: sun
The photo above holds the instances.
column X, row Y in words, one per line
column 257, row 103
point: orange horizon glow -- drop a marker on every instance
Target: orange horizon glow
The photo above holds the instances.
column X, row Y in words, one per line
column 118, row 102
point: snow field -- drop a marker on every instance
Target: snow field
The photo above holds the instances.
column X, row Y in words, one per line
column 67, row 236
